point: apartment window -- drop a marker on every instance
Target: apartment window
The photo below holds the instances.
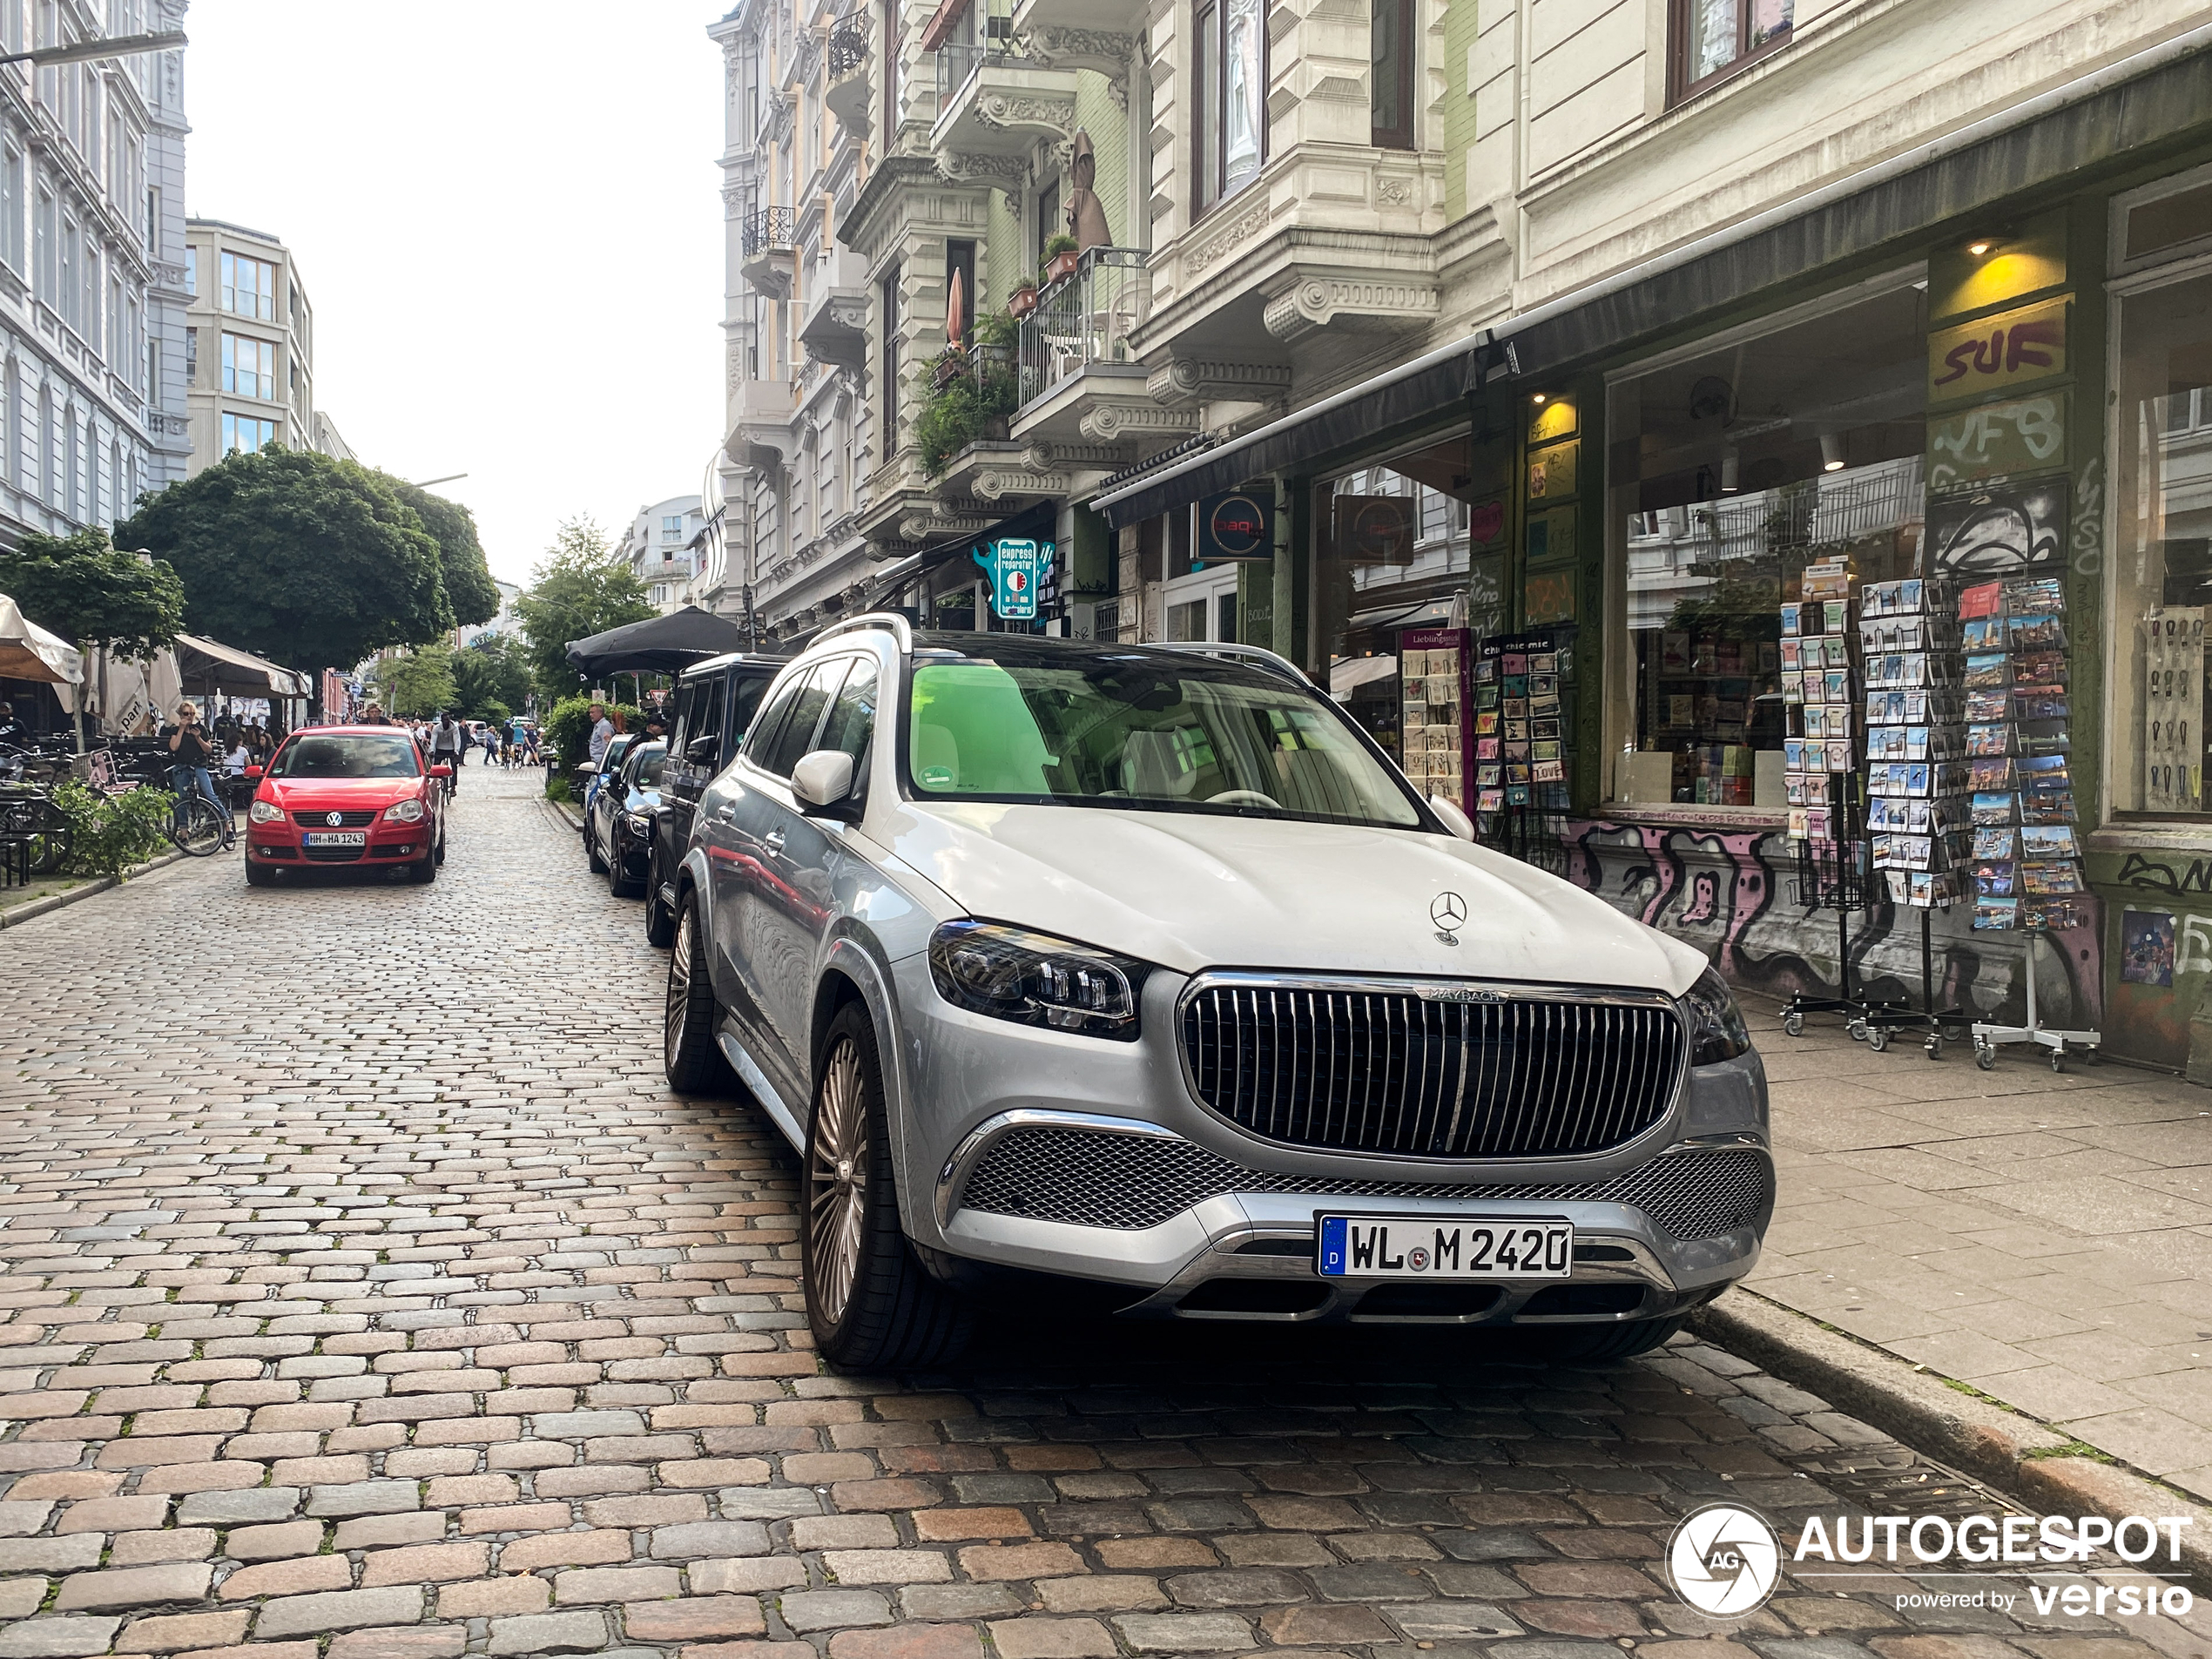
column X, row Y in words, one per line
column 191, row 271
column 117, row 334
column 191, row 357
column 890, row 69
column 249, row 366
column 152, row 384
column 960, row 261
column 47, row 229
column 1395, row 52
column 73, row 264
column 153, row 223
column 49, row 439
column 672, row 527
column 13, row 470
column 247, row 433
column 1712, row 38
column 890, row 398
column 1229, row 75
column 249, row 288
column 11, row 208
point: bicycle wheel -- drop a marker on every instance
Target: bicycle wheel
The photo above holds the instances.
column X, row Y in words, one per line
column 199, row 826
column 40, row 824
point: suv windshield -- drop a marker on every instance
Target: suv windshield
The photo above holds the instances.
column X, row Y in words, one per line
column 311, row 757
column 1156, row 731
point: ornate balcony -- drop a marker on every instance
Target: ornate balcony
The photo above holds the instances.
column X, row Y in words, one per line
column 760, row 424
column 1080, row 382
column 835, row 329
column 994, row 106
column 848, row 93
column 767, row 250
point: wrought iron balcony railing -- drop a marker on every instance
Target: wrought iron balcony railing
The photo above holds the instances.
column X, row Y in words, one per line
column 1084, row 318
column 848, row 46
column 767, row 230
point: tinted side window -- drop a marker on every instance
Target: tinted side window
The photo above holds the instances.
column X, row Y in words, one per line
column 797, row 738
column 679, row 733
column 706, row 720
column 761, row 741
column 853, row 716
column 746, row 692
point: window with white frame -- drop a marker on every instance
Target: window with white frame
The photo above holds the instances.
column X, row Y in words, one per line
column 249, row 366
column 11, row 206
column 1229, row 74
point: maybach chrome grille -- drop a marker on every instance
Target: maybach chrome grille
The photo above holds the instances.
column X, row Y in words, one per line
column 1459, row 1073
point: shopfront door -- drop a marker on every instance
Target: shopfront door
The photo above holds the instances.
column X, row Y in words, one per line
column 1202, row 607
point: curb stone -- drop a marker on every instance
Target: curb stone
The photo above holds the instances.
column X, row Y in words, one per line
column 2016, row 1453
column 52, row 901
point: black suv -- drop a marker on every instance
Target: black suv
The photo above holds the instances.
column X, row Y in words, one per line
column 714, row 702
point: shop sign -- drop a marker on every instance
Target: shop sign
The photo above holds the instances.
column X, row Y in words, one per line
column 1997, row 352
column 1997, row 440
column 1015, row 567
column 1376, row 530
column 1237, row 525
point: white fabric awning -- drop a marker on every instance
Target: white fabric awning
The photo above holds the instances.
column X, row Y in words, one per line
column 1354, row 672
column 30, row 652
column 208, row 664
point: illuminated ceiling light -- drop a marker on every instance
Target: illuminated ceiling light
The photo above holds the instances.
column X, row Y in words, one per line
column 1728, row 472
column 1832, row 452
column 1538, row 398
column 1979, row 248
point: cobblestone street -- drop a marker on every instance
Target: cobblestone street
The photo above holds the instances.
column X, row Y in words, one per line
column 363, row 1277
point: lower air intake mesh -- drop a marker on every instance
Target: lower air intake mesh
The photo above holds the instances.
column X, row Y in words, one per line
column 1093, row 1179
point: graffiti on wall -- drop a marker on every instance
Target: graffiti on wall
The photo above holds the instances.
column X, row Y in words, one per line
column 1734, row 896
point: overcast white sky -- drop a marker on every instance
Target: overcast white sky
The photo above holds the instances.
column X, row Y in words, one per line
column 509, row 221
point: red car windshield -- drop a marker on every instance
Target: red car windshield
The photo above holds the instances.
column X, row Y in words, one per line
column 347, row 757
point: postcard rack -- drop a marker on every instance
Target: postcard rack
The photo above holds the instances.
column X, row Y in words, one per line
column 1935, row 1026
column 1834, row 873
column 1987, row 1035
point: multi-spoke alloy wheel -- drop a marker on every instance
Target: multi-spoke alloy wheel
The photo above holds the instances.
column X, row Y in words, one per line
column 870, row 1303
column 693, row 1064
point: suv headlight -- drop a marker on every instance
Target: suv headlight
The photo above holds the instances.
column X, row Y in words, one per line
column 1034, row 979
column 1717, row 1028
column 404, row 812
column 264, row 811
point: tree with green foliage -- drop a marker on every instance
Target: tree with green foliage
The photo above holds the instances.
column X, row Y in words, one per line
column 469, row 590
column 312, row 562
column 94, row 596
column 420, row 683
column 494, row 672
column 582, row 587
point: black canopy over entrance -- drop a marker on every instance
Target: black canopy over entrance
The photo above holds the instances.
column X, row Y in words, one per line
column 657, row 645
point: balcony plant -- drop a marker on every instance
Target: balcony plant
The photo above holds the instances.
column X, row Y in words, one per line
column 1023, row 299
column 973, row 394
column 1060, row 257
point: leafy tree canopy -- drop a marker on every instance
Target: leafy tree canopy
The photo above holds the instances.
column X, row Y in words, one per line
column 82, row 589
column 312, row 562
column 418, row 684
column 469, row 589
column 582, row 587
column 492, row 674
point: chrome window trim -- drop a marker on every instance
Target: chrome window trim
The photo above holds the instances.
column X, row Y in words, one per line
column 1450, row 990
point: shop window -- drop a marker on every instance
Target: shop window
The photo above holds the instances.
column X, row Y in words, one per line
column 1737, row 467
column 2162, row 571
column 1714, row 38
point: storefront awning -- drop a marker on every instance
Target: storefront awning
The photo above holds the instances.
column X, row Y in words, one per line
column 211, row 666
column 30, row 652
column 2128, row 108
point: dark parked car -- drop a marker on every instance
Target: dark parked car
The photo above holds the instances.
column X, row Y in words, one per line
column 608, row 765
column 714, row 704
column 618, row 830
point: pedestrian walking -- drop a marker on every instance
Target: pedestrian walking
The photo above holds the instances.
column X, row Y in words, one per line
column 374, row 715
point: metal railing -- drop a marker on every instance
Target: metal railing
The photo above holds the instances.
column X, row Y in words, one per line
column 958, row 60
column 1083, row 319
column 767, row 229
column 848, row 46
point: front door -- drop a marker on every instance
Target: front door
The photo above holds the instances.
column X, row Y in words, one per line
column 1201, row 608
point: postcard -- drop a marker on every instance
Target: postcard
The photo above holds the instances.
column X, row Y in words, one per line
column 1544, row 662
column 1516, row 731
column 1485, row 748
column 1987, row 672
column 1995, row 880
column 1996, row 913
column 1513, row 662
column 2046, row 880
column 1989, row 740
column 1999, row 841
column 1543, row 686
column 1988, row 705
column 2048, row 841
column 1993, row 808
column 1981, row 600
column 2055, row 915
column 1551, row 771
column 2041, row 632
column 1545, row 728
column 1485, row 720
column 1486, row 774
column 1545, row 750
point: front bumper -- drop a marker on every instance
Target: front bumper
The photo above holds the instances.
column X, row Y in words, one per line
column 283, row 845
column 1036, row 1153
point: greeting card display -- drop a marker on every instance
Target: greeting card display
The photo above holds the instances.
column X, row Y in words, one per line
column 1821, row 700
column 1436, row 684
column 2026, row 854
column 1520, row 680
column 1918, row 748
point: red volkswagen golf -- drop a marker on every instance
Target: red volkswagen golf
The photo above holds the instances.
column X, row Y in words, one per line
column 347, row 795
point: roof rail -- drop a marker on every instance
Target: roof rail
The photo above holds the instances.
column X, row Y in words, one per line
column 889, row 621
column 1258, row 656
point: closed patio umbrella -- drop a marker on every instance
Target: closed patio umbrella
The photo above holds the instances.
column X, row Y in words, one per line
column 30, row 652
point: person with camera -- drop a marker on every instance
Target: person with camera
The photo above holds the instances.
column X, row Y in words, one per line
column 194, row 748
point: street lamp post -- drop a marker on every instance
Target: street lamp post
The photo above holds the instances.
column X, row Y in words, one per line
column 88, row 50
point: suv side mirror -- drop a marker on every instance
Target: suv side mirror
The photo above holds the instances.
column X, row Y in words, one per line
column 700, row 751
column 1454, row 818
column 822, row 782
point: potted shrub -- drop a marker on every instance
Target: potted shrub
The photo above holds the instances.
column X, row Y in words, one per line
column 1059, row 256
column 1022, row 301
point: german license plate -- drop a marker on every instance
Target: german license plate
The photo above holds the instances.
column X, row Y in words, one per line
column 1428, row 1247
column 335, row 837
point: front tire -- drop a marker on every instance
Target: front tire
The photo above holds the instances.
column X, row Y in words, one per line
column 690, row 1057
column 259, row 875
column 618, row 882
column 424, row 870
column 871, row 1306
column 660, row 920
column 592, row 850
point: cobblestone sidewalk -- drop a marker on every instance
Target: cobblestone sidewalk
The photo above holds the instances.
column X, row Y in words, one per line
column 2045, row 1238
column 366, row 1295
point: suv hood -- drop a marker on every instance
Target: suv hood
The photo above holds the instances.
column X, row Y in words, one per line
column 1193, row 891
